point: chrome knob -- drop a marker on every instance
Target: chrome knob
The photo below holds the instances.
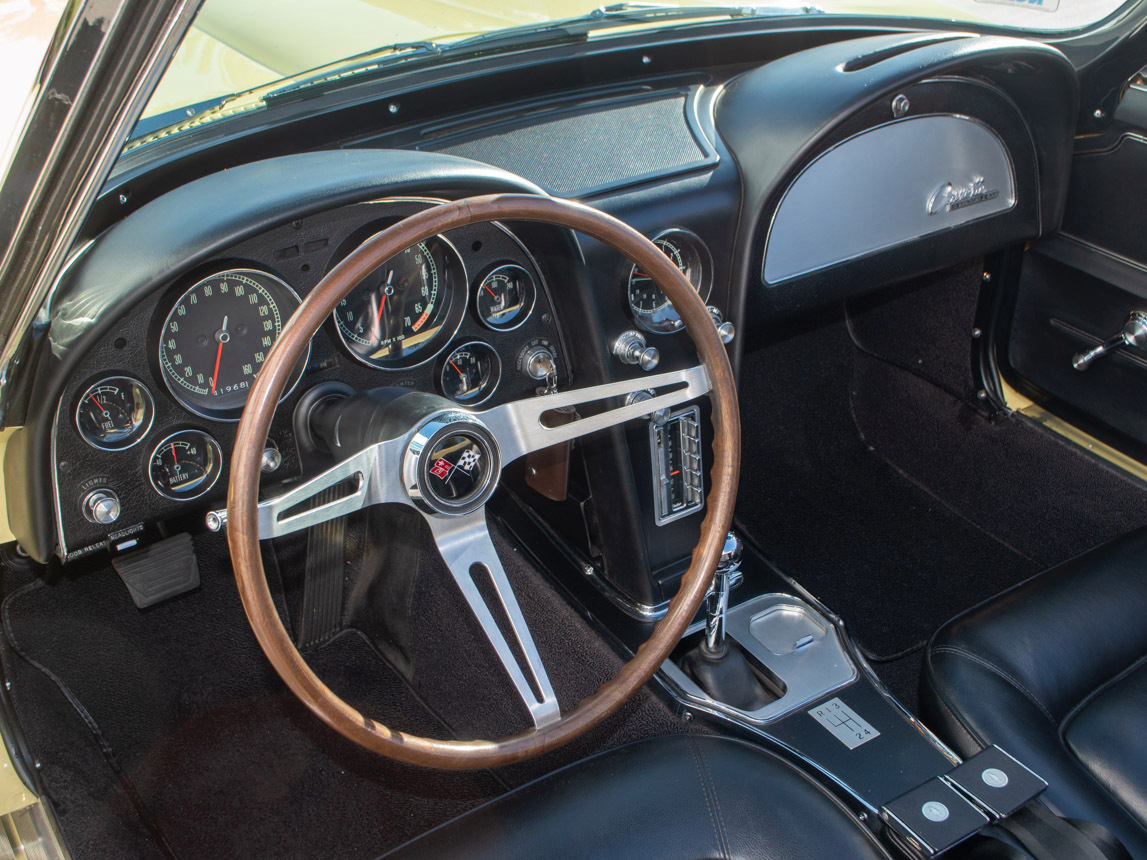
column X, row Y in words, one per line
column 630, row 347
column 1133, row 333
column 272, row 459
column 101, row 507
column 216, row 520
column 658, row 416
column 726, row 330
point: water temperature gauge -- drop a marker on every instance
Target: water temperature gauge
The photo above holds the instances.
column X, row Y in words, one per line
column 115, row 413
column 506, row 297
column 185, row 465
column 470, row 373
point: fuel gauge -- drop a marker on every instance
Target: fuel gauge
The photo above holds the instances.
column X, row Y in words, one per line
column 470, row 373
column 506, row 297
column 115, row 413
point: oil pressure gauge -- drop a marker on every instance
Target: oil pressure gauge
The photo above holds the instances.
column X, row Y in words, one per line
column 185, row 465
column 115, row 413
column 470, row 373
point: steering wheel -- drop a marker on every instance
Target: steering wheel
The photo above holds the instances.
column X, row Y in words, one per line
column 404, row 444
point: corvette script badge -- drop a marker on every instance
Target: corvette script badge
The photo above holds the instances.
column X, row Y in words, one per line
column 949, row 197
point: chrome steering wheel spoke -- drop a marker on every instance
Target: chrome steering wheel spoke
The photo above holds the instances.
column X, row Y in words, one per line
column 371, row 477
column 465, row 544
column 519, row 428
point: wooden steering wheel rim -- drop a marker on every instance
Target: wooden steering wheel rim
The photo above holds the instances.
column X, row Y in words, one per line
column 242, row 498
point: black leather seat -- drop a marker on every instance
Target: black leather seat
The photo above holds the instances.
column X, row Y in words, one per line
column 1055, row 672
column 676, row 797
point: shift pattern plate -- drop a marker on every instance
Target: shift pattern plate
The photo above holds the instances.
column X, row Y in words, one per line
column 846, row 725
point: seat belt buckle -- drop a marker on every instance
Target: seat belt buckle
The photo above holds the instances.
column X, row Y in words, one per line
column 931, row 818
column 996, row 781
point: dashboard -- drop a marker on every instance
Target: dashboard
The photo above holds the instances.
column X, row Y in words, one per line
column 776, row 187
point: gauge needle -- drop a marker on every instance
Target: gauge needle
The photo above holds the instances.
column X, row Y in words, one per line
column 491, row 292
column 460, row 373
column 222, row 336
column 382, row 304
column 97, row 403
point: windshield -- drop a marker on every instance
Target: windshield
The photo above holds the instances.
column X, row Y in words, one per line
column 236, row 46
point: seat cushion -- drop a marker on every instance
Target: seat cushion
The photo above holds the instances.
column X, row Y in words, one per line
column 1052, row 670
column 676, row 797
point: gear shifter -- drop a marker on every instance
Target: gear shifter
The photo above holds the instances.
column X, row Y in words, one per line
column 726, row 577
column 720, row 670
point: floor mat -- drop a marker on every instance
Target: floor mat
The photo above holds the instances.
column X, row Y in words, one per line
column 226, row 760
column 876, row 547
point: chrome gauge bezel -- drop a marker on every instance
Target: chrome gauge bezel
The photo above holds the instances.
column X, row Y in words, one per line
column 665, row 319
column 138, row 434
column 234, row 413
column 523, row 316
column 447, row 354
column 211, row 440
column 455, row 314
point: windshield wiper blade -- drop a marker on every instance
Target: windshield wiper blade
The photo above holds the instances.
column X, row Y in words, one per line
column 619, row 15
column 372, row 59
column 556, row 32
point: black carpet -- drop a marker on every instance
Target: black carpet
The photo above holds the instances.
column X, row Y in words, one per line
column 871, row 477
column 878, row 549
column 225, row 759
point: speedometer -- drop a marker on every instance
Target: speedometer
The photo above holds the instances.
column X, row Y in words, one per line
column 217, row 336
column 406, row 310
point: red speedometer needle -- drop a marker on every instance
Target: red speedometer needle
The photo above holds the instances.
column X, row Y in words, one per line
column 215, row 375
column 222, row 336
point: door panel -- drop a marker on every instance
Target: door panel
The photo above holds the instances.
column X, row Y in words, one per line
column 1080, row 289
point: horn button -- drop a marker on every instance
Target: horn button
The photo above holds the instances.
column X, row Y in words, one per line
column 451, row 465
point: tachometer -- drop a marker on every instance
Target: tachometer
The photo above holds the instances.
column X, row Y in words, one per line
column 405, row 310
column 217, row 336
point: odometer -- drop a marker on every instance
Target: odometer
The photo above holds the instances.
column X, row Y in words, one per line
column 217, row 336
column 402, row 313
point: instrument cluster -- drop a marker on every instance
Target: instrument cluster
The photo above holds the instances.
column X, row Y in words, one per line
column 454, row 314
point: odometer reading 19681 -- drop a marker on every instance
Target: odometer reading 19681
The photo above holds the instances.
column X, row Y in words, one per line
column 217, row 336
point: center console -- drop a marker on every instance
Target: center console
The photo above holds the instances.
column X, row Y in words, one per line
column 820, row 702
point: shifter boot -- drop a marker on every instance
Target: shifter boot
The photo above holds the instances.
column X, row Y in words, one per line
column 726, row 677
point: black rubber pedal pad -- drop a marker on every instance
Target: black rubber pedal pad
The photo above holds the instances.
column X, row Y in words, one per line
column 158, row 572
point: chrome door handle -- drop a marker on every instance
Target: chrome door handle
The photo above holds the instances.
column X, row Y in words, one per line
column 1134, row 333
